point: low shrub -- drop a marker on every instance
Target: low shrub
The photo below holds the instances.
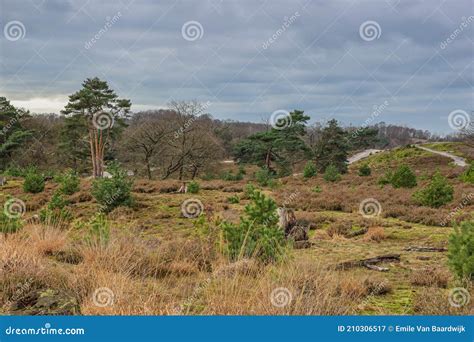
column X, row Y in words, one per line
column 34, row 182
column 257, row 234
column 9, row 224
column 430, row 277
column 193, row 187
column 468, row 175
column 309, row 170
column 436, row 194
column 331, row 174
column 365, row 170
column 113, row 192
column 403, row 177
column 461, row 250
column 264, row 177
column 317, row 189
column 233, row 199
column 69, row 182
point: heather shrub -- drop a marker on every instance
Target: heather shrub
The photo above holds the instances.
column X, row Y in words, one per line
column 264, row 177
column 436, row 194
column 461, row 250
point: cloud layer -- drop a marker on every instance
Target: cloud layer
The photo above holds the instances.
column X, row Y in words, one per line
column 248, row 58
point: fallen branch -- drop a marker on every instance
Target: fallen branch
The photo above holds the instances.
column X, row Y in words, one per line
column 425, row 249
column 356, row 233
column 369, row 263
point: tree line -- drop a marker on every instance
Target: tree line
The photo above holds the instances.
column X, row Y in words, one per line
column 182, row 141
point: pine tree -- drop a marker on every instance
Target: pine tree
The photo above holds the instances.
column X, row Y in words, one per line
column 332, row 148
column 101, row 108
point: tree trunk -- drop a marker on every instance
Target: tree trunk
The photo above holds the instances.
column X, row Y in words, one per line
column 148, row 168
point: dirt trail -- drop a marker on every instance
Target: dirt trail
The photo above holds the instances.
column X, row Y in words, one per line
column 361, row 155
column 457, row 160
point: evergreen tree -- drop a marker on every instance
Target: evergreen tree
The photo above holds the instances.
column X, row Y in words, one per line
column 102, row 110
column 332, row 148
column 12, row 134
column 73, row 142
column 280, row 146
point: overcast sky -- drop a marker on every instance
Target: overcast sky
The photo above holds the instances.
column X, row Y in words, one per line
column 412, row 60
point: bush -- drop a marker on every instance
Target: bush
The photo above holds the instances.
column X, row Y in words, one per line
column 34, row 182
column 317, row 189
column 332, row 174
column 264, row 177
column 309, row 170
column 229, row 175
column 56, row 213
column 436, row 194
column 249, row 189
column 113, row 192
column 468, row 176
column 193, row 187
column 461, row 250
column 365, row 170
column 233, row 199
column 15, row 171
column 9, row 225
column 257, row 234
column 69, row 183
column 403, row 178
column 386, row 179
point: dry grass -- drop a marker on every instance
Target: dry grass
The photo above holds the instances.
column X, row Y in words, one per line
column 376, row 234
column 430, row 277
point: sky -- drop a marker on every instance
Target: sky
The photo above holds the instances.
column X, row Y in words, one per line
column 399, row 61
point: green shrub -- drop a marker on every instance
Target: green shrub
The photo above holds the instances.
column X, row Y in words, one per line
column 98, row 230
column 257, row 234
column 233, row 199
column 331, row 174
column 15, row 171
column 56, row 214
column 461, row 250
column 249, row 189
column 9, row 225
column 34, row 182
column 386, row 178
column 468, row 176
column 436, row 194
column 69, row 182
column 309, row 170
column 57, row 201
column 365, row 170
column 264, row 177
column 193, row 187
column 113, row 192
column 317, row 189
column 229, row 175
column 403, row 177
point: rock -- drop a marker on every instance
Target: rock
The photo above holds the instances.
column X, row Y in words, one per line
column 302, row 244
column 3, row 181
column 298, row 233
